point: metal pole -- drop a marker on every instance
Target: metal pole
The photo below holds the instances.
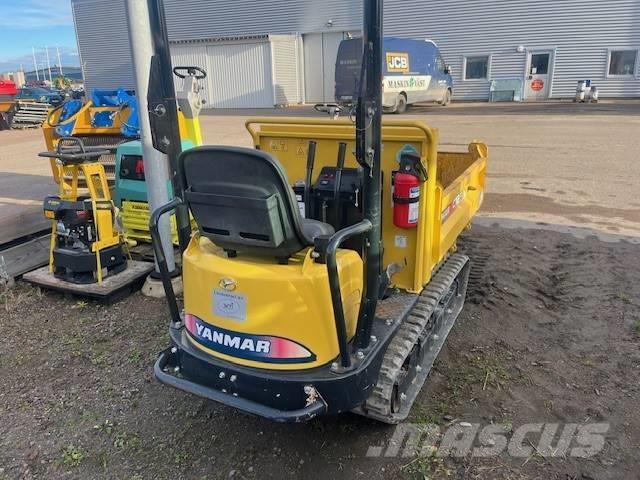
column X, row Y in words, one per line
column 35, row 64
column 49, row 65
column 369, row 150
column 59, row 62
column 156, row 165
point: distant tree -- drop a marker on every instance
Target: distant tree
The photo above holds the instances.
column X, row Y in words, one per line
column 62, row 82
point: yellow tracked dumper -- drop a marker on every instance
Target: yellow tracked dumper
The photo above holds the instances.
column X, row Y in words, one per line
column 323, row 276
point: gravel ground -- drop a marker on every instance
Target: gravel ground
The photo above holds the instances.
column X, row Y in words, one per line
column 550, row 333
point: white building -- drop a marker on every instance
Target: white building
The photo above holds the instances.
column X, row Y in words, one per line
column 261, row 53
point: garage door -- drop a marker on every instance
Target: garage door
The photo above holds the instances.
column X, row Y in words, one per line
column 240, row 75
column 320, row 52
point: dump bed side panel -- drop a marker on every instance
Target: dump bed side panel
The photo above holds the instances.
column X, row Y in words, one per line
column 460, row 191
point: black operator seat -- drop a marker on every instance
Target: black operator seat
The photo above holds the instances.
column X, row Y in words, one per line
column 241, row 200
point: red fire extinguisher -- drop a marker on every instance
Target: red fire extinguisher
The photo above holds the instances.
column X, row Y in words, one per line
column 406, row 190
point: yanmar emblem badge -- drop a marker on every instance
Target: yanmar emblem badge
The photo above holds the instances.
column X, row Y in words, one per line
column 228, row 284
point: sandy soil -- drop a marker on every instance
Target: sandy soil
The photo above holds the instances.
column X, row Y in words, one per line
column 550, row 333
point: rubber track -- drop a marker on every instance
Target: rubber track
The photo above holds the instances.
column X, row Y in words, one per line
column 416, row 326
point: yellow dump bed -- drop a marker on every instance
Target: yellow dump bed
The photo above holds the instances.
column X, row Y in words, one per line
column 449, row 198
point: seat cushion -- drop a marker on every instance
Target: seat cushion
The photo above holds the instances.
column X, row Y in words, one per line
column 314, row 228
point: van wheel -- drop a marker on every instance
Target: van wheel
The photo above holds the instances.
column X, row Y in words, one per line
column 446, row 100
column 401, row 104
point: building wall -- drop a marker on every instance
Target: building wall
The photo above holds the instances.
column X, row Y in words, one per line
column 103, row 44
column 580, row 31
column 190, row 19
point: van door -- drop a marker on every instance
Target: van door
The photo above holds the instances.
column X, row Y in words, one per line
column 538, row 80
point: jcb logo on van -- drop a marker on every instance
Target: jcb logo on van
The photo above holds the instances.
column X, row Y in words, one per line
column 397, row 62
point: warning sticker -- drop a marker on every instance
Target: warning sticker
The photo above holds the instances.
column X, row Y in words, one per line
column 414, row 210
column 278, row 146
column 446, row 213
column 229, row 305
column 401, row 241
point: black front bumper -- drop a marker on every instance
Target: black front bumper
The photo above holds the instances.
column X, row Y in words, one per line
column 281, row 396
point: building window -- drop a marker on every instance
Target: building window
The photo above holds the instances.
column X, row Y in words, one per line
column 476, row 68
column 622, row 62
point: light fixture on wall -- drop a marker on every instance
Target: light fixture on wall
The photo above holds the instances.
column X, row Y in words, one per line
column 329, row 23
column 520, row 49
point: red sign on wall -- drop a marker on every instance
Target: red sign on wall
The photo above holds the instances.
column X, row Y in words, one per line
column 537, row 85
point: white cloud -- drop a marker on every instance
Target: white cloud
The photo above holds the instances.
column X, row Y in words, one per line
column 29, row 14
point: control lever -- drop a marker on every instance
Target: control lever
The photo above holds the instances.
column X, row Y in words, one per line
column 311, row 158
column 333, row 109
column 342, row 150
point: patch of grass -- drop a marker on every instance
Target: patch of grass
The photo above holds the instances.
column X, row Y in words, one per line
column 548, row 404
column 105, row 427
column 427, row 466
column 72, row 456
column 181, row 458
column 121, row 440
column 98, row 358
column 483, row 370
column 135, row 356
column 636, row 326
column 624, row 298
column 432, row 414
column 587, row 362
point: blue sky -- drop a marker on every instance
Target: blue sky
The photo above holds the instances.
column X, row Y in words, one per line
column 36, row 23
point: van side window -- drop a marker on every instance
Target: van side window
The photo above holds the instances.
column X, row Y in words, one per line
column 440, row 63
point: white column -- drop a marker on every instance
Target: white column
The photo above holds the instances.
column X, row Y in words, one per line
column 156, row 164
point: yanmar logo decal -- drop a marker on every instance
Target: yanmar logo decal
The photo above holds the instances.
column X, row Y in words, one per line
column 260, row 348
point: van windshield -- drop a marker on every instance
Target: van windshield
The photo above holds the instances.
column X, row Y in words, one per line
column 348, row 64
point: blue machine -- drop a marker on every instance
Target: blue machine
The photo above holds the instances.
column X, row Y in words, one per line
column 414, row 71
column 105, row 105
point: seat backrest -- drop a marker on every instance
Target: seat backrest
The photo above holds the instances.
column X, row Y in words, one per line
column 241, row 200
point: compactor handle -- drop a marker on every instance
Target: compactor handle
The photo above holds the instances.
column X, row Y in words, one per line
column 332, row 109
column 184, row 72
column 72, row 150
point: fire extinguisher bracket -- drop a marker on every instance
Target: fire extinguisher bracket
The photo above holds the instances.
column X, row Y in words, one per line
column 405, row 201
